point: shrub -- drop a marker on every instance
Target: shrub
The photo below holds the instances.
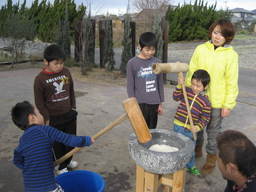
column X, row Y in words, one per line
column 191, row 22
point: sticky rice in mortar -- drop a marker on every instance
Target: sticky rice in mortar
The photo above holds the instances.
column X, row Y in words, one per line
column 163, row 148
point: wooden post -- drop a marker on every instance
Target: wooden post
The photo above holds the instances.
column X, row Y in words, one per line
column 167, row 182
column 88, row 44
column 133, row 31
column 127, row 43
column 165, row 29
column 78, row 40
column 151, row 182
column 178, row 180
column 140, row 181
column 106, row 45
column 91, row 42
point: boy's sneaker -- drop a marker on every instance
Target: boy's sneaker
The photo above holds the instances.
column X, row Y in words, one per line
column 72, row 164
column 62, row 171
column 194, row 171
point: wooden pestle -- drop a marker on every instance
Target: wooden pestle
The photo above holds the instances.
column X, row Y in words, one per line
column 137, row 120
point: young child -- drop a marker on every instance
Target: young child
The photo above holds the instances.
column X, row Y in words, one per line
column 200, row 109
column 55, row 99
column 220, row 60
column 34, row 152
column 142, row 83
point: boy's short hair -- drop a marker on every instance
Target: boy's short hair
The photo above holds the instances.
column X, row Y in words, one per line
column 203, row 76
column 20, row 113
column 147, row 39
column 226, row 27
column 53, row 52
column 234, row 147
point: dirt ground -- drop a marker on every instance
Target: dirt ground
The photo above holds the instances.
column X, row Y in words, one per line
column 99, row 102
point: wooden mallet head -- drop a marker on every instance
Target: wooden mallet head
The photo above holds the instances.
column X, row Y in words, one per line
column 169, row 67
column 137, row 120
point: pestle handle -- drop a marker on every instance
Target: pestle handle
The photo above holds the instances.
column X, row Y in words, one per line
column 110, row 126
column 187, row 105
column 100, row 133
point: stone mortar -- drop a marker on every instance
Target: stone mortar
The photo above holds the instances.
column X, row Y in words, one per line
column 161, row 162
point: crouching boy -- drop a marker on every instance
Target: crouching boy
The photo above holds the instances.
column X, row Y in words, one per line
column 34, row 153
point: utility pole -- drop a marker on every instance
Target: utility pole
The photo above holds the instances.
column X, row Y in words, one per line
column 128, row 7
column 226, row 4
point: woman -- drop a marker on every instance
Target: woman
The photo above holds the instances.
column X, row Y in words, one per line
column 220, row 60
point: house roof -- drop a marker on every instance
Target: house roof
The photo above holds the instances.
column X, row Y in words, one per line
column 161, row 11
column 240, row 10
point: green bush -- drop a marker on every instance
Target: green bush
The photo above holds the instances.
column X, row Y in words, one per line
column 191, row 22
column 43, row 15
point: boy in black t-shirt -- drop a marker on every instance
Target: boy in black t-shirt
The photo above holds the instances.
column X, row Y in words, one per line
column 55, row 99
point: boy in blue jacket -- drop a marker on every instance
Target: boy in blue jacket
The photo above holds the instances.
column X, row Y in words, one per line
column 34, row 153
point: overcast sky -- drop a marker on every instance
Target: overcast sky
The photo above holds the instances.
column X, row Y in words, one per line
column 120, row 6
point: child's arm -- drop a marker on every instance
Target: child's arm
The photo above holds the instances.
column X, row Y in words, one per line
column 39, row 99
column 231, row 78
column 72, row 94
column 177, row 94
column 18, row 159
column 130, row 81
column 205, row 116
column 160, row 82
column 67, row 139
column 161, row 87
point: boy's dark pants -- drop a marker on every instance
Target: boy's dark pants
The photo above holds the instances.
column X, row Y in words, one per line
column 67, row 124
column 150, row 113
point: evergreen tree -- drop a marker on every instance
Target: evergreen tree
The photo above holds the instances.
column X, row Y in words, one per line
column 159, row 36
column 191, row 22
column 106, row 45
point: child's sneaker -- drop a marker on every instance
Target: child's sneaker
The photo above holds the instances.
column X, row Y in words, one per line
column 62, row 171
column 194, row 171
column 72, row 164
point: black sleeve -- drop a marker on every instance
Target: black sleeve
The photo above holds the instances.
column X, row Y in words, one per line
column 229, row 186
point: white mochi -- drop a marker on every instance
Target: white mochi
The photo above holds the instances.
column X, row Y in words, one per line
column 163, row 148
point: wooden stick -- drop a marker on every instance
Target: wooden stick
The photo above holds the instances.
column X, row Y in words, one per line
column 101, row 132
column 187, row 105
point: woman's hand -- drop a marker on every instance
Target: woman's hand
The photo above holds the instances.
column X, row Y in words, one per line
column 225, row 112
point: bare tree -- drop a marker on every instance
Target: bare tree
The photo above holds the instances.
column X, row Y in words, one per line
column 150, row 4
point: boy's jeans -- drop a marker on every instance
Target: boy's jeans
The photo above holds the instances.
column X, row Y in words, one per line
column 187, row 133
